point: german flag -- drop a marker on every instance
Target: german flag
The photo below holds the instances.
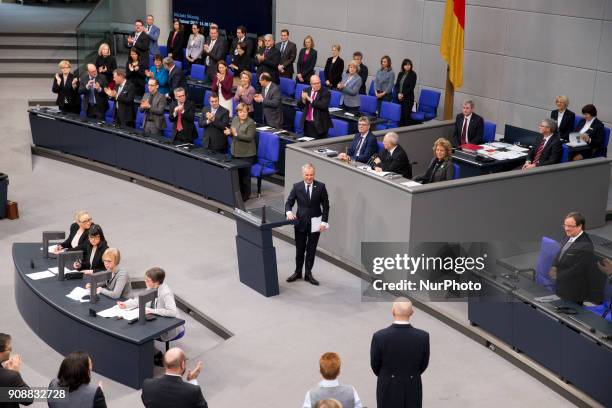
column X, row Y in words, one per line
column 451, row 43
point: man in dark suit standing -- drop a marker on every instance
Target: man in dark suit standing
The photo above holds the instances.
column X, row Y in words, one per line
column 170, row 390
column 270, row 98
column 364, row 144
column 363, row 71
column 140, row 41
column 547, row 148
column 573, row 267
column 288, row 52
column 153, row 106
column 399, row 355
column 214, row 51
column 9, row 371
column 469, row 127
column 215, row 119
column 182, row 112
column 315, row 109
column 124, row 99
column 269, row 60
column 176, row 79
column 92, row 86
column 394, row 157
column 241, row 37
column 312, row 211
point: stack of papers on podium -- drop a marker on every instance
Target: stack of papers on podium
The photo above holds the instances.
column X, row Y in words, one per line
column 78, row 293
column 115, row 311
column 40, row 275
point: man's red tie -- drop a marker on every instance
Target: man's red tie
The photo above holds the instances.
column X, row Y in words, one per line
column 464, row 131
column 536, row 159
column 179, row 122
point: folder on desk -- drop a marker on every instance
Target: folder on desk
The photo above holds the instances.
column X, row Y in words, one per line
column 470, row 146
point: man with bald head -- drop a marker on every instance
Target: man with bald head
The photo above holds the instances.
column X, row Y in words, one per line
column 399, row 354
column 91, row 86
column 170, row 390
column 314, row 103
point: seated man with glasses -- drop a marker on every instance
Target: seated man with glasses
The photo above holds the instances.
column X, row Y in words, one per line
column 547, row 148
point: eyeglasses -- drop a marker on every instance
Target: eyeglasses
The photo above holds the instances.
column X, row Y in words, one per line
column 569, row 226
column 85, row 220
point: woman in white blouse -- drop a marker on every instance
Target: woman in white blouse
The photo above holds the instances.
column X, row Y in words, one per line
column 78, row 232
column 195, row 45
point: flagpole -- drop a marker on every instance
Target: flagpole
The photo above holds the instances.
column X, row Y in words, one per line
column 449, row 96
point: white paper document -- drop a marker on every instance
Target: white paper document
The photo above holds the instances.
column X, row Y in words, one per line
column 51, row 249
column 78, row 293
column 411, row 183
column 315, row 224
column 574, row 140
column 305, row 139
column 335, row 109
column 40, row 275
column 129, row 314
column 264, row 128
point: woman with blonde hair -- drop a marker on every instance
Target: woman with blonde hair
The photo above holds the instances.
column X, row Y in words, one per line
column 243, row 146
column 106, row 63
column 66, row 86
column 565, row 118
column 78, row 231
column 441, row 167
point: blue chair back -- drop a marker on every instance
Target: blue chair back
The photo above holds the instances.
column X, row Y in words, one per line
column 109, row 116
column 296, row 123
column 151, row 60
column 268, row 150
column 179, row 65
column 230, row 140
column 163, row 50
column 168, row 130
column 456, row 171
column 341, row 128
column 489, row 132
column 200, row 132
column 381, row 146
column 548, row 250
column 603, row 152
column 287, row 87
column 392, row 113
column 335, row 99
column 427, row 108
column 254, row 80
column 206, row 97
column 565, row 154
column 368, row 104
column 322, row 77
column 298, row 91
column 139, row 119
column 371, row 90
column 577, row 120
column 198, row 72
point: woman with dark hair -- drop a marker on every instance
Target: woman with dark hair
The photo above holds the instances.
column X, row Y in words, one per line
column 404, row 87
column 135, row 71
column 306, row 61
column 92, row 249
column 241, row 61
column 383, row 82
column 176, row 41
column 159, row 73
column 592, row 132
column 75, row 375
column 222, row 84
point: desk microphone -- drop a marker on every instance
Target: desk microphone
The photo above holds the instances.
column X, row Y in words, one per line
column 370, row 162
column 32, row 266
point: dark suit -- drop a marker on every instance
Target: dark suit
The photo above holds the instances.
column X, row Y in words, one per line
column 574, row 269
column 287, row 58
column 96, row 264
column 153, row 121
column 98, row 109
column 399, row 354
column 397, row 162
column 67, row 97
column 596, row 132
column 188, row 134
column 12, row 379
column 306, row 67
column 333, row 71
column 567, row 123
column 214, row 139
column 475, row 130
column 175, row 48
column 551, row 154
column 74, row 227
column 176, row 79
column 315, row 206
column 216, row 54
column 170, row 391
column 407, row 90
column 125, row 112
column 270, row 63
column 137, row 77
column 368, row 148
column 249, row 47
column 142, row 45
column 363, row 73
column 321, row 122
column 437, row 171
column 272, row 109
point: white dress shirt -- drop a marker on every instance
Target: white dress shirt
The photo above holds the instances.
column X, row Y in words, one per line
column 560, row 118
column 194, row 381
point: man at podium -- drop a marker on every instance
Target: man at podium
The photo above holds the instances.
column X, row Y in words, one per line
column 312, row 216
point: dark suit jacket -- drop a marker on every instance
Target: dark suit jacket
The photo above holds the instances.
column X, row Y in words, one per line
column 249, row 46
column 272, row 109
column 101, row 97
column 137, row 77
column 475, row 130
column 97, row 265
column 320, row 110
column 369, row 148
column 170, row 391
column 333, row 72
column 567, row 123
column 176, row 79
column 574, row 269
column 270, row 64
column 141, row 45
column 552, row 151
column 397, row 162
column 399, row 355
column 363, row 73
column 596, row 133
column 216, row 54
column 408, row 89
column 214, row 139
column 316, row 206
column 437, row 171
column 74, row 227
column 125, row 111
column 12, row 379
column 176, row 49
column 189, row 130
column 67, row 96
column 288, row 57
column 306, row 68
